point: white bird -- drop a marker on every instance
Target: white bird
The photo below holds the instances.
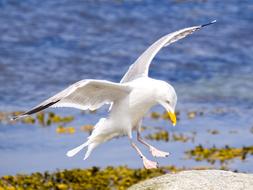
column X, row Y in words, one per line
column 130, row 100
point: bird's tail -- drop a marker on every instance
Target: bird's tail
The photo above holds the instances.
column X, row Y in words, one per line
column 90, row 148
column 96, row 138
column 74, row 151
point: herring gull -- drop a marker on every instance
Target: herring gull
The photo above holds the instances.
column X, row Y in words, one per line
column 130, row 100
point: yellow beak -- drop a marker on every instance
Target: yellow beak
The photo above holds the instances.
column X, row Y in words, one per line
column 173, row 118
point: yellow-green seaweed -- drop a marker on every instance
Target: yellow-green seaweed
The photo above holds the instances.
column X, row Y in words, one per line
column 108, row 178
column 161, row 135
column 166, row 136
column 214, row 154
column 65, row 130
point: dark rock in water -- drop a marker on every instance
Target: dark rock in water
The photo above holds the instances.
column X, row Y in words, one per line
column 198, row 180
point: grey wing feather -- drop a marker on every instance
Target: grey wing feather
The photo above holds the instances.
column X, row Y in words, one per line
column 140, row 67
column 85, row 94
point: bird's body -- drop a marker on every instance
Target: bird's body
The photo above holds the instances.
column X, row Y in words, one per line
column 130, row 100
column 142, row 98
column 126, row 113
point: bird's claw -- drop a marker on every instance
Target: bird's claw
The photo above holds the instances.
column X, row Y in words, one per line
column 148, row 164
column 158, row 153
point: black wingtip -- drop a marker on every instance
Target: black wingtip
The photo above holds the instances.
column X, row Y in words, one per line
column 203, row 25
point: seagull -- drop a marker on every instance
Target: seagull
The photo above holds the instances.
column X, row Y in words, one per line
column 129, row 100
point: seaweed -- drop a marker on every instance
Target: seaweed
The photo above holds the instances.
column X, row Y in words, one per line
column 213, row 154
column 108, row 178
column 65, row 130
column 166, row 136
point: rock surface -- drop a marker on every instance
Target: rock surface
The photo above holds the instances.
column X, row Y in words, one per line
column 198, row 179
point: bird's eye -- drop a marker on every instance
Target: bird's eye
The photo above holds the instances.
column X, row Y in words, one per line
column 167, row 101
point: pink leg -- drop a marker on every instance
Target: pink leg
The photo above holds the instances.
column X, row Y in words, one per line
column 148, row 164
column 155, row 152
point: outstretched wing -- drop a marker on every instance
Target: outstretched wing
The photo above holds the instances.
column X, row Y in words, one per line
column 140, row 67
column 85, row 94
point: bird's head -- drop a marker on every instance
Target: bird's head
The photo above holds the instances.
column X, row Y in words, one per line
column 167, row 97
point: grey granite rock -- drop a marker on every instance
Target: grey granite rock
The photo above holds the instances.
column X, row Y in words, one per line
column 198, row 179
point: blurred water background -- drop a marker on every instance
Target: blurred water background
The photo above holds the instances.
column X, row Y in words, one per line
column 47, row 45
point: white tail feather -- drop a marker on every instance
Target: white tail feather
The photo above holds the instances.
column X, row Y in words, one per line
column 90, row 148
column 94, row 140
column 74, row 151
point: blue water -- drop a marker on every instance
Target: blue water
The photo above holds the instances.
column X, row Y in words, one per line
column 47, row 45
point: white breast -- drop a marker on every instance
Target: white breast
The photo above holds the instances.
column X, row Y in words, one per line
column 141, row 99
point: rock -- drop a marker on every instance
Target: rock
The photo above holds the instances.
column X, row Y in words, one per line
column 198, row 179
